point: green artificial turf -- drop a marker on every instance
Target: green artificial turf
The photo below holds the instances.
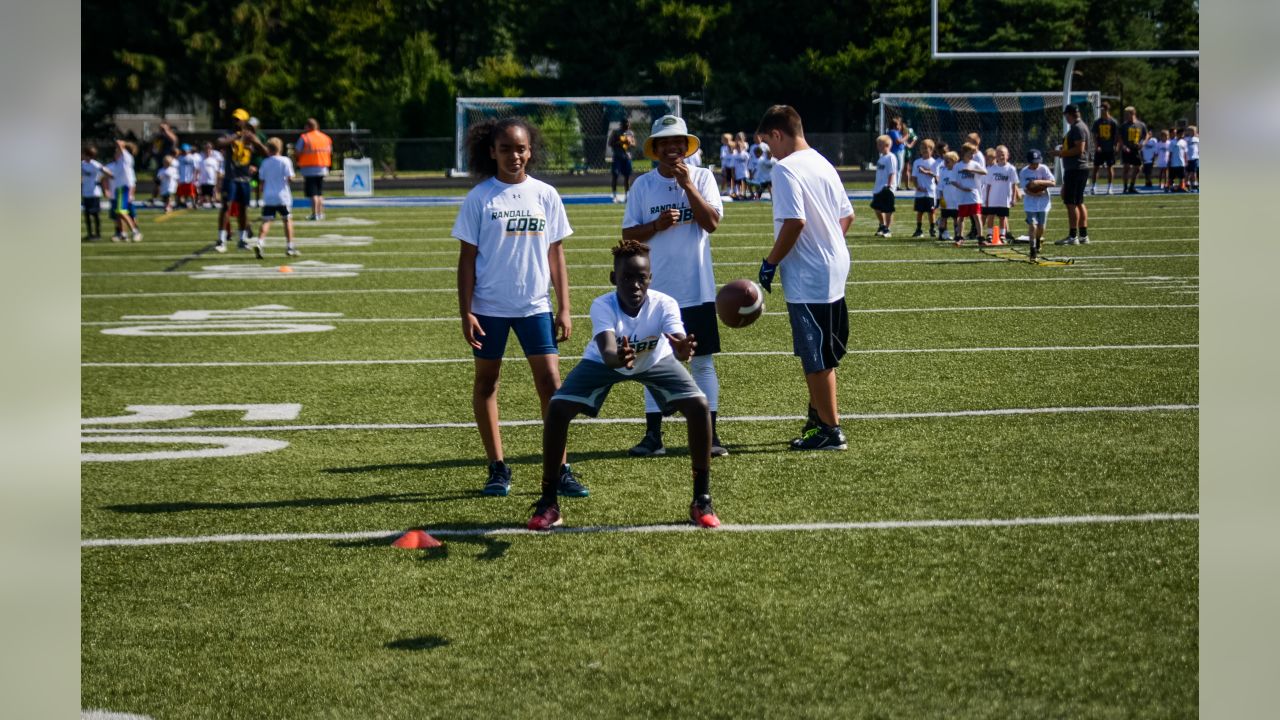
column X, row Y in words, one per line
column 976, row 389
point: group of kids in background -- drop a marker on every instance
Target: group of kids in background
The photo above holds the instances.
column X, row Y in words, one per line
column 746, row 170
column 188, row 178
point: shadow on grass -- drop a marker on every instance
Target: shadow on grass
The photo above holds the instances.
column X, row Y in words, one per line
column 423, row 642
column 530, row 459
column 384, row 498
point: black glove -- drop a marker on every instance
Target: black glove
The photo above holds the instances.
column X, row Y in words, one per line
column 767, row 271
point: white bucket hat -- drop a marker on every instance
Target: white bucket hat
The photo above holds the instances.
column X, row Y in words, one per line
column 670, row 126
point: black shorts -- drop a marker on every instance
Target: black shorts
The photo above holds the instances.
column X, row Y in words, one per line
column 313, row 185
column 950, row 213
column 883, row 201
column 206, row 190
column 1105, row 158
column 926, row 204
column 700, row 322
column 1073, row 182
column 1131, row 157
column 92, row 205
column 1176, row 173
column 1002, row 212
column 819, row 334
column 621, row 166
column 269, row 212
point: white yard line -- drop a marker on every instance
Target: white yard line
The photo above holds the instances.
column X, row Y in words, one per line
column 852, row 311
column 362, row 291
column 453, row 361
column 606, row 266
column 943, row 523
column 335, row 427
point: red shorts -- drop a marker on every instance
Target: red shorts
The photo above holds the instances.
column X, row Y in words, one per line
column 971, row 210
column 186, row 190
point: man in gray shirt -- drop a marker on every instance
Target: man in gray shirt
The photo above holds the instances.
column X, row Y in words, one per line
column 1075, row 174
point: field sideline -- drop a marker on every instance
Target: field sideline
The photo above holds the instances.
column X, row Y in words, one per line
column 1013, row 531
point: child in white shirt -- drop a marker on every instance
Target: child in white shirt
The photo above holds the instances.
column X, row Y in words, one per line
column 882, row 194
column 277, row 199
column 947, row 175
column 92, row 173
column 1000, row 192
column 1150, row 149
column 1036, row 179
column 1177, row 164
column 1193, row 157
column 924, row 175
column 168, row 177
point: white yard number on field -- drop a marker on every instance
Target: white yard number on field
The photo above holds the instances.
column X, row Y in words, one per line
column 257, row 320
column 211, row 445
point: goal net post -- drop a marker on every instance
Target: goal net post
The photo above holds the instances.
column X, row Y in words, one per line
column 1020, row 121
column 575, row 130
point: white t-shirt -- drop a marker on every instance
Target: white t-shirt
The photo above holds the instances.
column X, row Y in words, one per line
column 947, row 177
column 927, row 184
column 168, row 179
column 970, row 182
column 1035, row 203
column 886, row 173
column 90, row 174
column 740, row 157
column 1193, row 147
column 999, row 186
column 806, row 186
column 680, row 256
column 187, row 165
column 764, row 169
column 122, row 172
column 513, row 227
column 1162, row 153
column 1177, row 153
column 274, row 173
column 210, row 166
column 726, row 156
column 659, row 314
column 1150, row 149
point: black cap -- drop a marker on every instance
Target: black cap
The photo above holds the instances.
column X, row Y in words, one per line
column 1034, row 156
column 1071, row 109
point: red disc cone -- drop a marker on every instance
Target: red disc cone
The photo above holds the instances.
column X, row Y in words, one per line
column 415, row 540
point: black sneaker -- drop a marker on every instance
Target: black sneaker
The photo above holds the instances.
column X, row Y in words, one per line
column 499, row 483
column 649, row 446
column 933, row 231
column 821, row 438
column 918, row 233
column 812, row 422
column 569, row 485
column 257, row 252
column 717, row 448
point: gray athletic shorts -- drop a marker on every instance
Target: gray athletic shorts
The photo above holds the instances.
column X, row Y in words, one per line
column 589, row 384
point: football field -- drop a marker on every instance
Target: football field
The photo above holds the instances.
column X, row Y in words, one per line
column 1013, row 531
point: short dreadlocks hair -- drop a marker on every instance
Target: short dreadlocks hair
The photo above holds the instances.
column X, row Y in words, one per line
column 628, row 248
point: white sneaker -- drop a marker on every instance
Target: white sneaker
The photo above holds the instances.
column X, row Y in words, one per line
column 945, row 235
column 887, row 233
column 292, row 252
column 137, row 236
column 220, row 246
column 1066, row 241
column 1084, row 240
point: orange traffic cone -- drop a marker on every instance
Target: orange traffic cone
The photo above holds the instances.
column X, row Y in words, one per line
column 415, row 540
column 995, row 235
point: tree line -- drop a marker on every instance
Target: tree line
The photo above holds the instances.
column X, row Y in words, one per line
column 394, row 67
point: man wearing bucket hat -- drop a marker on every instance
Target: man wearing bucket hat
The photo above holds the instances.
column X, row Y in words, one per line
column 674, row 210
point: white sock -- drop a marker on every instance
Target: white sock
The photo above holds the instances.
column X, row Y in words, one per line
column 222, row 236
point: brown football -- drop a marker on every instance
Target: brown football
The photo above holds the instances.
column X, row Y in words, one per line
column 739, row 303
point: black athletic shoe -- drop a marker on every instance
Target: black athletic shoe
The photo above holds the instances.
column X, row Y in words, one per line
column 810, row 423
column 499, row 483
column 933, row 231
column 918, row 233
column 822, row 438
column 649, row 446
column 569, row 485
column 257, row 251
column 717, row 448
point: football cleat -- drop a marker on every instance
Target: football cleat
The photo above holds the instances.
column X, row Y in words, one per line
column 702, row 514
column 499, row 482
column 257, row 251
column 546, row 515
column 822, row 438
column 917, row 234
column 569, row 485
column 649, row 446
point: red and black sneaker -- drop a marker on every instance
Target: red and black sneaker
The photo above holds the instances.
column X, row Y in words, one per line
column 702, row 514
column 546, row 515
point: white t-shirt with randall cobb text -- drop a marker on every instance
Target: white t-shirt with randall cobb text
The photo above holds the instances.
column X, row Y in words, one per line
column 806, row 186
column 1035, row 203
column 1001, row 180
column 886, row 173
column 969, row 181
column 659, row 314
column 512, row 227
column 947, row 180
column 680, row 256
column 275, row 173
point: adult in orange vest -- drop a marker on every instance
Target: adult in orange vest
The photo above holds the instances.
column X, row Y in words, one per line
column 315, row 154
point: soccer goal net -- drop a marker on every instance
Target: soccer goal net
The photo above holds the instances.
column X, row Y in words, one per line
column 1020, row 121
column 575, row 130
